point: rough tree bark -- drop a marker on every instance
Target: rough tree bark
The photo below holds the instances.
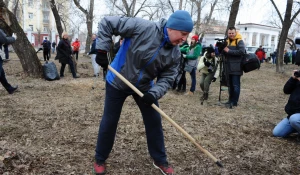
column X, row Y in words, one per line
column 286, row 24
column 233, row 14
column 56, row 17
column 89, row 22
column 30, row 62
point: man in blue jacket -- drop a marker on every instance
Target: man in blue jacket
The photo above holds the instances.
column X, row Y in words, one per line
column 150, row 50
column 5, row 40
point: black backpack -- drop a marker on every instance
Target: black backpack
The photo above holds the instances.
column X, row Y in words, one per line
column 250, row 62
column 45, row 44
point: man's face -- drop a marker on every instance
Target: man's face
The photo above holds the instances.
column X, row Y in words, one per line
column 176, row 36
column 231, row 34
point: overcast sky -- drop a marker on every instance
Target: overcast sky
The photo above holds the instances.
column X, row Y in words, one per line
column 251, row 11
column 258, row 11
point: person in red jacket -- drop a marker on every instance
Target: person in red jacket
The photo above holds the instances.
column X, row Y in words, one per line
column 76, row 46
column 261, row 54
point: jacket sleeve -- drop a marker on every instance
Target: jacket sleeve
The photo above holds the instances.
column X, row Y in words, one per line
column 166, row 78
column 93, row 50
column 290, row 85
column 115, row 25
column 239, row 51
column 4, row 39
column 184, row 49
column 217, row 73
column 201, row 63
column 195, row 55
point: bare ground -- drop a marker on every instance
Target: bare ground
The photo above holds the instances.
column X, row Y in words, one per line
column 51, row 127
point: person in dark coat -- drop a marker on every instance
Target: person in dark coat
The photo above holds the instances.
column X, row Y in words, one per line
column 4, row 39
column 64, row 52
column 46, row 49
column 180, row 80
column 290, row 124
column 234, row 52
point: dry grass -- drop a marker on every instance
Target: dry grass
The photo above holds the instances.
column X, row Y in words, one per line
column 51, row 127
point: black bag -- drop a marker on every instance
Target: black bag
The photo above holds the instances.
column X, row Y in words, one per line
column 50, row 71
column 45, row 44
column 250, row 62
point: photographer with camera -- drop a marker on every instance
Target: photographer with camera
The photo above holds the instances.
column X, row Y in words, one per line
column 234, row 52
column 290, row 124
column 209, row 67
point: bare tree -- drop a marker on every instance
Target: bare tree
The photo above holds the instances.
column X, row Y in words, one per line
column 89, row 21
column 286, row 24
column 56, row 17
column 29, row 61
column 233, row 14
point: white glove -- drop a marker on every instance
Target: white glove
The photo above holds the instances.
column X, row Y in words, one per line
column 184, row 55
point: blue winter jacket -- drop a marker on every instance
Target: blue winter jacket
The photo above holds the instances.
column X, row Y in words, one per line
column 143, row 55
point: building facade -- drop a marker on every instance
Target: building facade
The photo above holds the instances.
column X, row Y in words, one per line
column 37, row 20
column 255, row 35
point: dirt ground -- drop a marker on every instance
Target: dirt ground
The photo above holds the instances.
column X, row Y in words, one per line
column 51, row 127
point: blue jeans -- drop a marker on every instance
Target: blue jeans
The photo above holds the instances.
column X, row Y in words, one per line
column 234, row 88
column 114, row 101
column 274, row 60
column 287, row 126
column 193, row 78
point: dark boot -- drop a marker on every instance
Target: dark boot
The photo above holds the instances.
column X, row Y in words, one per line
column 12, row 89
column 205, row 96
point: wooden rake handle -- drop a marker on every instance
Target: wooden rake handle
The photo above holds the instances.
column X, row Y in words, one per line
column 167, row 117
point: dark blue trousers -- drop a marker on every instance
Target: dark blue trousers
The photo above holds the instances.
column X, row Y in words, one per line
column 234, row 88
column 114, row 101
column 3, row 79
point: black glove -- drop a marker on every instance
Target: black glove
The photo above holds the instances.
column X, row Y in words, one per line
column 102, row 59
column 214, row 79
column 207, row 64
column 148, row 99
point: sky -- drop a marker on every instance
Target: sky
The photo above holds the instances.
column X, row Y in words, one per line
column 258, row 11
column 251, row 11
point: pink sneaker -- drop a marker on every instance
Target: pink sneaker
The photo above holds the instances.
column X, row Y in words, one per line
column 99, row 169
column 165, row 169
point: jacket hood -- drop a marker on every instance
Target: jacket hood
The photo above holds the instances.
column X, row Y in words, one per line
column 238, row 36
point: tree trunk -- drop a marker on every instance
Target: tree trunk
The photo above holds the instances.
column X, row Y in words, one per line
column 286, row 24
column 23, row 48
column 233, row 14
column 57, row 18
column 89, row 22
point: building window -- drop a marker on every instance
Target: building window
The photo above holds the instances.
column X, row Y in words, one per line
column 46, row 16
column 30, row 15
column 31, row 27
column 30, row 2
column 45, row 28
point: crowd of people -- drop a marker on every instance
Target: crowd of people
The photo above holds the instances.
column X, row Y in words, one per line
column 157, row 50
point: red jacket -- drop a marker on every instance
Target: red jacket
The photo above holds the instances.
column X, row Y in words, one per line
column 76, row 45
column 260, row 53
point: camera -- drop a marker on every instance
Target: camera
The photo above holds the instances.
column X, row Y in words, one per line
column 211, row 68
column 221, row 44
column 297, row 73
